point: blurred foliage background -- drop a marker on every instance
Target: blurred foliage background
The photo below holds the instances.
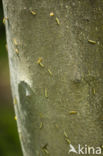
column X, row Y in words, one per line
column 9, row 140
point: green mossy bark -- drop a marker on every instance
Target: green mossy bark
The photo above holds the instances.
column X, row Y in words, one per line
column 76, row 65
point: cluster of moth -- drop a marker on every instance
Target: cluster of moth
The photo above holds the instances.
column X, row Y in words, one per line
column 41, row 64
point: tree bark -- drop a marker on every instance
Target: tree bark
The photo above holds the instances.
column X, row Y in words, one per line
column 56, row 70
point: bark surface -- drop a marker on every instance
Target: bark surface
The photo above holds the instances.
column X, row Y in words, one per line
column 71, row 79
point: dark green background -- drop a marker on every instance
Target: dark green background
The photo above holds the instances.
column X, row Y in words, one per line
column 9, row 140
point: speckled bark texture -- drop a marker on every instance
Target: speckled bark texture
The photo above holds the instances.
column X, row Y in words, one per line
column 69, row 77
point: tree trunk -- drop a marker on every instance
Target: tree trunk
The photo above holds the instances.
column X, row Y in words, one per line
column 55, row 51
